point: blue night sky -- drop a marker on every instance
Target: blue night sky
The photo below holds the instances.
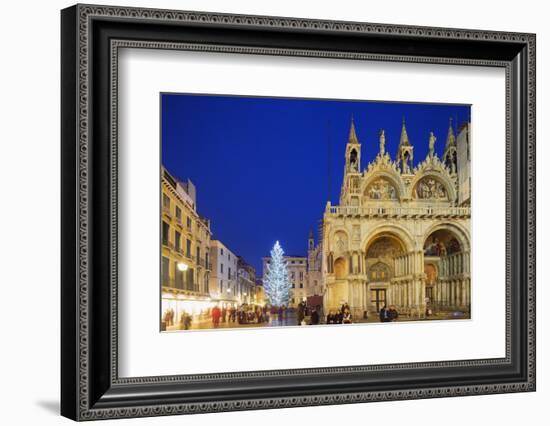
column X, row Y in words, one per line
column 260, row 165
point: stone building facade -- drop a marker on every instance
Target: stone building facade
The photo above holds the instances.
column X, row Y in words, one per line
column 185, row 243
column 314, row 276
column 224, row 286
column 246, row 282
column 401, row 233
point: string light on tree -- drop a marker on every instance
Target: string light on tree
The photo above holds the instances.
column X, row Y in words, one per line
column 277, row 284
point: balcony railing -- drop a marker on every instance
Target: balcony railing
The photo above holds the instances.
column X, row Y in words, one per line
column 168, row 244
column 170, row 285
column 399, row 211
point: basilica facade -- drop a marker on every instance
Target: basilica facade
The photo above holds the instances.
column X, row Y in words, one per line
column 400, row 234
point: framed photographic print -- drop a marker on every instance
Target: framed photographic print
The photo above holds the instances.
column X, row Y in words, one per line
column 237, row 187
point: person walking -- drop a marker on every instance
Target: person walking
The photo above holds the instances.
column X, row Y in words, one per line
column 216, row 314
column 280, row 314
column 186, row 321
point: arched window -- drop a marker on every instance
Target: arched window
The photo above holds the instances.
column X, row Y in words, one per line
column 379, row 272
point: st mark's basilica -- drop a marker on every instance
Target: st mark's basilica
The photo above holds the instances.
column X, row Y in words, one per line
column 400, row 235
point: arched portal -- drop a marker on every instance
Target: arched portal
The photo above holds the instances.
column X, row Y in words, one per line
column 447, row 270
column 380, row 255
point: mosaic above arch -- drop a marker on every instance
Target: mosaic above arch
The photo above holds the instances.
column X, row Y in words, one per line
column 381, row 189
column 430, row 188
column 385, row 246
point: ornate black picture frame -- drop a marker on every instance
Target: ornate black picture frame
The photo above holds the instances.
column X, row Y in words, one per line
column 91, row 386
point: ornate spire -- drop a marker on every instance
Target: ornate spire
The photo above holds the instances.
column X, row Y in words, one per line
column 404, row 141
column 404, row 151
column 311, row 234
column 449, row 156
column 352, row 135
column 451, row 139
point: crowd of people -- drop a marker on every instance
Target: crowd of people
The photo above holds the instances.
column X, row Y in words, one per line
column 388, row 314
column 340, row 316
column 169, row 319
column 244, row 314
column 303, row 314
column 303, row 311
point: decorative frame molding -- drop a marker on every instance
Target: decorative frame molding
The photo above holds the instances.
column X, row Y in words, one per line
column 91, row 37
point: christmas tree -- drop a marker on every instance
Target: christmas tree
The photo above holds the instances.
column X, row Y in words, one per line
column 276, row 282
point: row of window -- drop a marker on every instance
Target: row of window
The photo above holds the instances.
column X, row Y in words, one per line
column 293, row 275
column 166, row 205
column 228, row 254
column 228, row 289
column 178, row 244
column 183, row 280
column 228, row 271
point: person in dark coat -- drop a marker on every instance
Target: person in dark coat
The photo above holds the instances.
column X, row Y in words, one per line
column 280, row 314
column 385, row 314
column 331, row 318
column 344, row 307
column 338, row 317
column 320, row 312
column 300, row 315
column 186, row 321
column 314, row 317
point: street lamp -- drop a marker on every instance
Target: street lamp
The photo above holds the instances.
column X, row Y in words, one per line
column 182, row 267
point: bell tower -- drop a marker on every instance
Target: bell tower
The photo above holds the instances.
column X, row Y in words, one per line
column 349, row 195
column 353, row 151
